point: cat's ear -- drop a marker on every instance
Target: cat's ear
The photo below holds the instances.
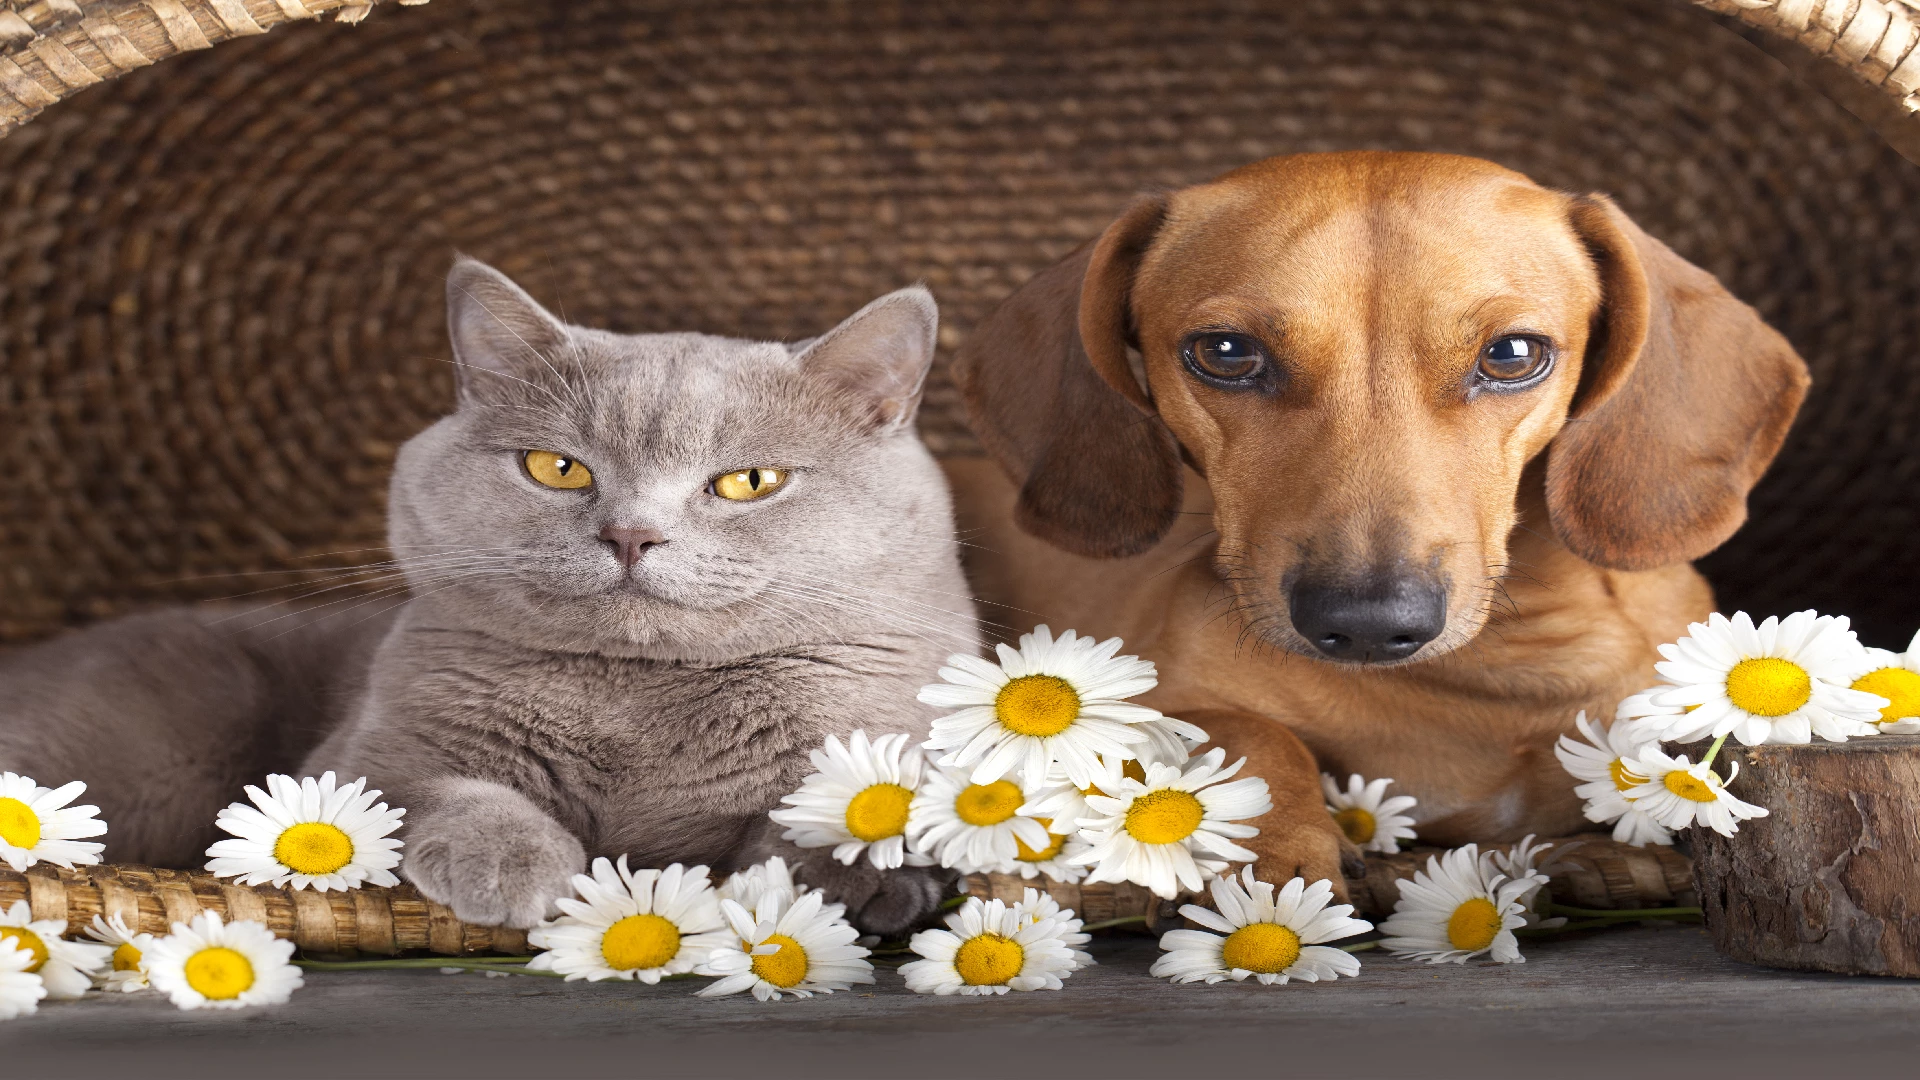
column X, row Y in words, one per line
column 501, row 336
column 879, row 357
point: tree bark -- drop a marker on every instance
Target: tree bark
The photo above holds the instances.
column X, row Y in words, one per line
column 1830, row 880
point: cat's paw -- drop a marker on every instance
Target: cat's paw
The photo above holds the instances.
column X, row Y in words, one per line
column 494, row 861
column 883, row 902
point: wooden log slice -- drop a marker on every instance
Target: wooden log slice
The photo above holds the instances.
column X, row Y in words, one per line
column 1830, row 880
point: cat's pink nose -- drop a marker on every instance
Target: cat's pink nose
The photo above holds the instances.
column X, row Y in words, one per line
column 630, row 543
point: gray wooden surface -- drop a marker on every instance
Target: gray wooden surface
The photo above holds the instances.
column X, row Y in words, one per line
column 1637, row 1004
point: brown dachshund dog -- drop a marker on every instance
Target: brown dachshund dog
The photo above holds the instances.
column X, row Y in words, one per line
column 1391, row 462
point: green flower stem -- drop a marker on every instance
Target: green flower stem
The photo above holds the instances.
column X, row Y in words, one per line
column 1714, row 750
column 953, row 902
column 1625, row 913
column 1130, row 920
column 1359, row 947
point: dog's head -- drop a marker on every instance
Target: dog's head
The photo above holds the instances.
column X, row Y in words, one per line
column 1365, row 354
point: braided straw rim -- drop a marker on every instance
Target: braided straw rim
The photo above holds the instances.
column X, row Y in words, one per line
column 1586, row 871
column 1877, row 40
column 50, row 49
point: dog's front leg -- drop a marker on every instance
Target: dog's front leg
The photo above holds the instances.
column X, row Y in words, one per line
column 1297, row 837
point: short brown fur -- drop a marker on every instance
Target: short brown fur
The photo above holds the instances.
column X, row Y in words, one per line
column 1134, row 499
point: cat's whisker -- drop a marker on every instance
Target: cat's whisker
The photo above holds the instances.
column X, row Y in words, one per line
column 924, row 628
column 899, row 599
column 350, row 578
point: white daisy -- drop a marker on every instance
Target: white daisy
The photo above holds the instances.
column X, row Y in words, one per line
column 1782, row 681
column 1049, row 701
column 1037, row 905
column 65, row 967
column 206, row 965
column 747, row 886
column 37, row 825
column 1521, row 862
column 1677, row 794
column 128, row 970
column 1269, row 938
column 989, row 948
column 1169, row 741
column 1366, row 815
column 1896, row 677
column 1064, row 803
column 1458, row 908
column 972, row 827
column 631, row 925
column 859, row 800
column 787, row 949
column 1175, row 829
column 1601, row 763
column 1056, row 860
column 308, row 834
column 20, row 989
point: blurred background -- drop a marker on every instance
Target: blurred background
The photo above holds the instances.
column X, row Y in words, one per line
column 220, row 277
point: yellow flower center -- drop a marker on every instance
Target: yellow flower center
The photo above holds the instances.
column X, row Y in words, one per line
column 1899, row 686
column 1166, row 816
column 1622, row 779
column 313, row 847
column 640, row 941
column 19, row 825
column 1262, row 948
column 1768, row 686
column 1051, row 851
column 1473, row 925
column 878, row 812
column 24, row 938
column 784, row 968
column 1358, row 824
column 1688, row 786
column 126, row 958
column 988, row 960
column 219, row 973
column 988, row 804
column 1037, row 705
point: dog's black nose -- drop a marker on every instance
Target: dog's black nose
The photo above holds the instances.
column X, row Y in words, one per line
column 1387, row 619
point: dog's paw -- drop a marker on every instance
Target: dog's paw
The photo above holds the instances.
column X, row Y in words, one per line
column 495, row 862
column 1307, row 851
column 883, row 902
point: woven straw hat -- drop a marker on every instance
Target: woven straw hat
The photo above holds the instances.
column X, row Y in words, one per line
column 224, row 223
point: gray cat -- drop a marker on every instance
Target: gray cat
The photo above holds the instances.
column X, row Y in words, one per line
column 648, row 573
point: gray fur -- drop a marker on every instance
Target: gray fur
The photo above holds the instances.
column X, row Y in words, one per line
column 535, row 703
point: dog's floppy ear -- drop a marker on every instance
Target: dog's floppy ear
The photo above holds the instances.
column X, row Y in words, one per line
column 1685, row 398
column 1051, row 394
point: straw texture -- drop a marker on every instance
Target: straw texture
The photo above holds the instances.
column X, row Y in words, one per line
column 220, row 275
column 1593, row 872
column 374, row 921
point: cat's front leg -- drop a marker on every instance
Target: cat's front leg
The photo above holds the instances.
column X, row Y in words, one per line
column 490, row 854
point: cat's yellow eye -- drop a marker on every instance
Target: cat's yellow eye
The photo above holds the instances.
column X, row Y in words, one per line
column 748, row 484
column 557, row 470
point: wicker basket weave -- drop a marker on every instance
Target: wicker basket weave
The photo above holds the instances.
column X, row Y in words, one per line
column 223, row 222
column 1591, row 872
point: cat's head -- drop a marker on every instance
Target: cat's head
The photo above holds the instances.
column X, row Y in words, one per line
column 678, row 496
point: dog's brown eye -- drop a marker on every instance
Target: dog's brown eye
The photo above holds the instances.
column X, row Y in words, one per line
column 1228, row 357
column 1513, row 359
